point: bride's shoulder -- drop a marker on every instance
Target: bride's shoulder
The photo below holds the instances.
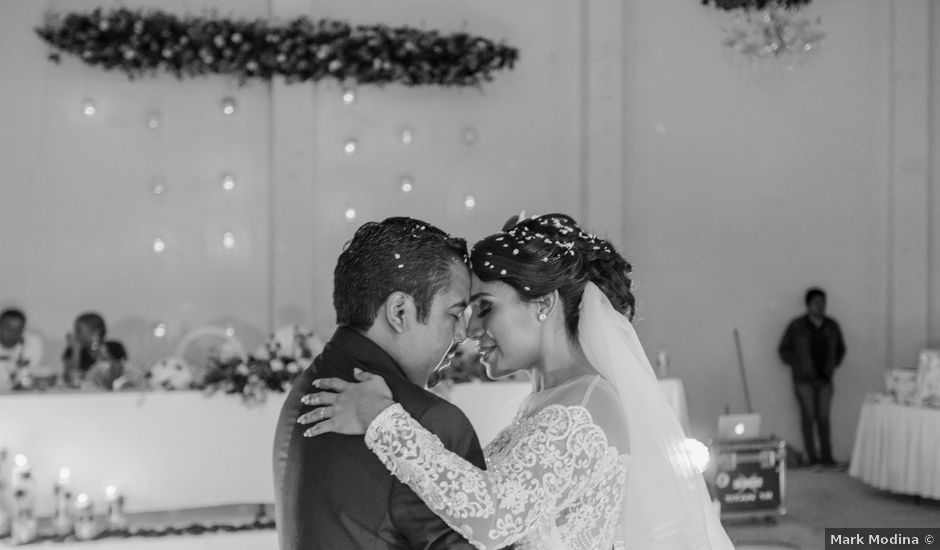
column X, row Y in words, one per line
column 593, row 399
column 584, row 390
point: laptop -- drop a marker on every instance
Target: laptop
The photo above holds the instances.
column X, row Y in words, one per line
column 738, row 426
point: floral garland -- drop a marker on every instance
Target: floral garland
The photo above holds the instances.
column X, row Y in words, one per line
column 259, row 524
column 138, row 43
column 755, row 5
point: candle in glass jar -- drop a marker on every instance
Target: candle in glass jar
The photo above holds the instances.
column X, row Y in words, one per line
column 84, row 517
column 23, row 524
column 21, row 469
column 4, row 512
column 114, row 503
column 62, row 516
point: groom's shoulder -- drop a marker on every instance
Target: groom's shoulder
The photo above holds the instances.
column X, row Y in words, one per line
column 424, row 405
column 437, row 415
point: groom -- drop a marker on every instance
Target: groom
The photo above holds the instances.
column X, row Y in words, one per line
column 399, row 288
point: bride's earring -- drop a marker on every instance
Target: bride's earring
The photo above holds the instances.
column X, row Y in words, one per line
column 542, row 317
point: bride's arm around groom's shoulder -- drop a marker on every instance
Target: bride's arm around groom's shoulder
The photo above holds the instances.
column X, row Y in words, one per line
column 409, row 514
column 543, row 464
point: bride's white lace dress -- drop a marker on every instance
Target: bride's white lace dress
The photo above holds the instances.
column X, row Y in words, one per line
column 555, row 477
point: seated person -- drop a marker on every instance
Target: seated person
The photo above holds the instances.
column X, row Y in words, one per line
column 19, row 350
column 83, row 347
column 112, row 371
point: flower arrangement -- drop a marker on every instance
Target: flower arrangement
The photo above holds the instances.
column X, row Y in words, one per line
column 758, row 5
column 137, row 43
column 769, row 28
column 272, row 367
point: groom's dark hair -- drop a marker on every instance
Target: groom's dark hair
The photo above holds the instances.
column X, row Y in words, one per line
column 399, row 253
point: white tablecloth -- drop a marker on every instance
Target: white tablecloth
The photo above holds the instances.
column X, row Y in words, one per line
column 897, row 448
column 163, row 451
column 171, row 451
column 251, row 540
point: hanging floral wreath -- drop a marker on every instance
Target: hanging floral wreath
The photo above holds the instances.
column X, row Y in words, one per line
column 749, row 5
column 138, row 43
column 770, row 28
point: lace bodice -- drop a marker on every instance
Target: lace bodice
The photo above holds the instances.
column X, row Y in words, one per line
column 555, row 477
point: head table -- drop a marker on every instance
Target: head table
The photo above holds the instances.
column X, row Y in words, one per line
column 179, row 450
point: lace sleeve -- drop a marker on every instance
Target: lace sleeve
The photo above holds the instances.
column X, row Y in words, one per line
column 554, row 462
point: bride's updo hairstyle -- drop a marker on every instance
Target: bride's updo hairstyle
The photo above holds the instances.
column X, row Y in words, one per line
column 540, row 255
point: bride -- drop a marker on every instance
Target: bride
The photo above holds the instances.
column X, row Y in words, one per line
column 595, row 458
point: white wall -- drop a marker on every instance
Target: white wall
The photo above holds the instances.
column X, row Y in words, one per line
column 732, row 187
column 80, row 187
column 747, row 183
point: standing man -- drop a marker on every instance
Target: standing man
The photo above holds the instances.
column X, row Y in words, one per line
column 399, row 289
column 813, row 348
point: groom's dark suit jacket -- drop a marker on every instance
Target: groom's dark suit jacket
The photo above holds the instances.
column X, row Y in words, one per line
column 331, row 492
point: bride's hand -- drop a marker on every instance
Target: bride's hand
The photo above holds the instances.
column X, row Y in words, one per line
column 346, row 407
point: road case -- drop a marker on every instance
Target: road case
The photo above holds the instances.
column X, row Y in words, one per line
column 748, row 477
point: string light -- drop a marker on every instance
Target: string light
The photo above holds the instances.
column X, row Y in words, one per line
column 407, row 136
column 228, row 240
column 350, row 214
column 469, row 135
column 228, row 106
column 470, row 202
column 407, row 184
column 350, row 146
column 88, row 108
column 158, row 246
column 228, row 182
column 159, row 330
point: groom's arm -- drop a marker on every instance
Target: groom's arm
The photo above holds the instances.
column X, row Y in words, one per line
column 415, row 521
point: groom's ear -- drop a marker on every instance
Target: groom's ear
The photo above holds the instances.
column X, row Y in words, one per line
column 396, row 311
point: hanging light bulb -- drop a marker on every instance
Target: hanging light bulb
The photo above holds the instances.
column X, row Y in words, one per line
column 88, row 108
column 230, row 331
column 228, row 240
column 469, row 135
column 228, row 106
column 349, row 96
column 228, row 182
column 470, row 202
column 158, row 246
column 407, row 136
column 159, row 330
column 153, row 120
column 407, row 184
column 350, row 146
column 157, row 186
column 350, row 214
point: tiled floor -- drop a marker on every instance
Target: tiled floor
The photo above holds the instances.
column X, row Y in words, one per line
column 827, row 498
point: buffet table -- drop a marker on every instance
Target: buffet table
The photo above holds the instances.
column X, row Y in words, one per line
column 179, row 450
column 897, row 448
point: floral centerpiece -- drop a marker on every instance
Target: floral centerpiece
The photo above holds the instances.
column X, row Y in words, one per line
column 272, row 367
